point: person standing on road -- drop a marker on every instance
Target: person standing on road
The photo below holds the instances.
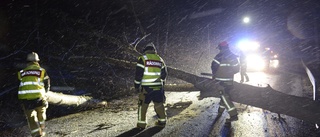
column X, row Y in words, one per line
column 243, row 68
column 34, row 83
column 224, row 65
column 150, row 76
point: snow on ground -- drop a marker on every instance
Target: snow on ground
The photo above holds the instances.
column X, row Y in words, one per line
column 187, row 116
column 258, row 122
column 195, row 120
column 251, row 122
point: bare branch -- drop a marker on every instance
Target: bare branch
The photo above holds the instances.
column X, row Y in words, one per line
column 135, row 46
column 137, row 19
column 17, row 51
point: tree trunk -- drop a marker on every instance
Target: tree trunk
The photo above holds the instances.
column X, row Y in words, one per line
column 261, row 97
column 73, row 100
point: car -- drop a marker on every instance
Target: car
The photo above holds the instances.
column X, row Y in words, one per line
column 258, row 58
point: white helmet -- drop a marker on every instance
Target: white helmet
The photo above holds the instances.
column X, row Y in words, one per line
column 33, row 57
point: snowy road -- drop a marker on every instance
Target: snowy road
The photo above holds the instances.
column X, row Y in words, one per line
column 187, row 116
column 257, row 122
column 190, row 117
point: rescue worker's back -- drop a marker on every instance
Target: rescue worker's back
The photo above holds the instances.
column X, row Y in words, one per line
column 150, row 76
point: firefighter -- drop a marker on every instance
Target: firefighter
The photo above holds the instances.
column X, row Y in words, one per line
column 224, row 66
column 243, row 68
column 150, row 76
column 34, row 83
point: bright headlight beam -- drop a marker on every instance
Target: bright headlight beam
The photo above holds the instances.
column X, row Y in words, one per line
column 246, row 45
column 255, row 62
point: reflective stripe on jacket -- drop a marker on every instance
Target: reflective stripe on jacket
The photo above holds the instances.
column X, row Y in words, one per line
column 31, row 82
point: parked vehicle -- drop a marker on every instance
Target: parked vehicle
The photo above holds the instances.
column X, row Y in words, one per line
column 258, row 58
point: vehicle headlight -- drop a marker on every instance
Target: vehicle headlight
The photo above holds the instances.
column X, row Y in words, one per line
column 255, row 62
column 275, row 56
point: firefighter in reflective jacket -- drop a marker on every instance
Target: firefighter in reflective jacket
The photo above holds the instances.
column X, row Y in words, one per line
column 150, row 76
column 224, row 66
column 34, row 83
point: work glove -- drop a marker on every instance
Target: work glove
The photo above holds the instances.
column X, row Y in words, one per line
column 45, row 103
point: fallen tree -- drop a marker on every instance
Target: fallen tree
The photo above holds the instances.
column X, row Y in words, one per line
column 261, row 97
column 74, row 100
column 57, row 98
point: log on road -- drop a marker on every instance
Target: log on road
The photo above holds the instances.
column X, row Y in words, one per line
column 74, row 100
column 261, row 97
column 180, row 87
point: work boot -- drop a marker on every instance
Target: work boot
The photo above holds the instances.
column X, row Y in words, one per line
column 141, row 126
column 43, row 134
column 160, row 124
column 227, row 124
column 232, row 118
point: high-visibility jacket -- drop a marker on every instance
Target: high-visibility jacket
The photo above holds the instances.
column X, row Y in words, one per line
column 150, row 70
column 224, row 66
column 31, row 82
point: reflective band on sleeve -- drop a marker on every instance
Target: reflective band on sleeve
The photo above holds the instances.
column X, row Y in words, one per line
column 137, row 82
column 140, row 65
column 31, row 91
column 216, row 61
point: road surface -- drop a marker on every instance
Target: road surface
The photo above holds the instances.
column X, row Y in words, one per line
column 187, row 116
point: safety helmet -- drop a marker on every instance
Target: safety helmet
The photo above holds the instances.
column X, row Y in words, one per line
column 223, row 45
column 33, row 57
column 149, row 46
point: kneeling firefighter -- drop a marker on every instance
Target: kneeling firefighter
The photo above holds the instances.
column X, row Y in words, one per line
column 150, row 76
